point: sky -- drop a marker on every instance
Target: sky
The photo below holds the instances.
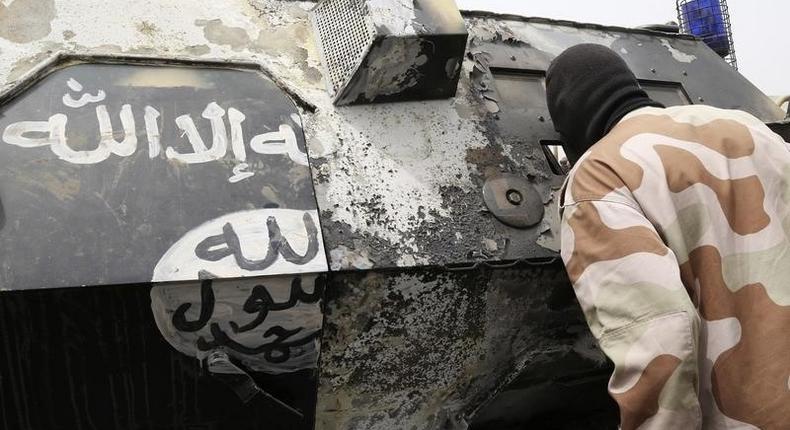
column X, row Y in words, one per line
column 760, row 28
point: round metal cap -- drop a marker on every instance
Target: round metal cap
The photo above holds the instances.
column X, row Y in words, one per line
column 513, row 200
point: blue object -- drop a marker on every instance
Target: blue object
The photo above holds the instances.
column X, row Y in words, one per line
column 704, row 19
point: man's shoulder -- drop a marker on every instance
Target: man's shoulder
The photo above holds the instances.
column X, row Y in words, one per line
column 601, row 175
column 695, row 115
column 617, row 164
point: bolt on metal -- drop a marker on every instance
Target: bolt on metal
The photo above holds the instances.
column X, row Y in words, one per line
column 514, row 197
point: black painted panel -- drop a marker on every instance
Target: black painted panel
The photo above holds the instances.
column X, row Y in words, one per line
column 93, row 359
column 81, row 212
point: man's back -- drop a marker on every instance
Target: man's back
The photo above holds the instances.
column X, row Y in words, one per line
column 675, row 235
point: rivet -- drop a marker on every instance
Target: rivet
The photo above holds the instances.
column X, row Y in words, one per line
column 685, row 73
column 541, row 118
column 701, row 99
column 652, row 70
column 513, row 57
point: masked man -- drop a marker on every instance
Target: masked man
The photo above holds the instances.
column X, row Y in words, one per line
column 675, row 235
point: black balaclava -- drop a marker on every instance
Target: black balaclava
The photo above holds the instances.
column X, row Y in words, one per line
column 589, row 88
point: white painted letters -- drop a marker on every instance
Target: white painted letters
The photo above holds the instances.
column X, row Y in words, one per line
column 201, row 154
column 152, row 131
column 259, row 242
column 14, row 134
column 237, row 134
column 85, row 99
column 52, row 133
column 61, row 148
column 279, row 142
column 129, row 143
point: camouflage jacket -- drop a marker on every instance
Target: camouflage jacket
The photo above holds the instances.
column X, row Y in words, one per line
column 675, row 235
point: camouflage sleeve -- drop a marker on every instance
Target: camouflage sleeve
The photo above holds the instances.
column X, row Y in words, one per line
column 628, row 284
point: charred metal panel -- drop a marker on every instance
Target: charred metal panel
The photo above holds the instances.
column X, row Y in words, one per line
column 113, row 174
column 502, row 94
column 388, row 50
column 425, row 349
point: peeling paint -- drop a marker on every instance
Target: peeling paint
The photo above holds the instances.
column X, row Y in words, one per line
column 552, row 39
column 678, row 54
column 550, row 226
column 391, row 68
column 23, row 21
column 197, row 50
column 221, row 34
column 279, row 39
column 587, row 346
column 404, row 356
column 490, row 245
column 391, row 50
column 393, row 16
column 483, row 80
column 405, row 196
column 422, row 350
column 342, row 257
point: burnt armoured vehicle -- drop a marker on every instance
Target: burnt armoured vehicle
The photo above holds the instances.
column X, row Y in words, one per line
column 296, row 215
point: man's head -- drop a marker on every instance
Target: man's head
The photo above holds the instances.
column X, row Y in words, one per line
column 589, row 88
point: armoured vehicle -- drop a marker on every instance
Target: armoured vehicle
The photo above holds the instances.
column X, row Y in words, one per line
column 293, row 215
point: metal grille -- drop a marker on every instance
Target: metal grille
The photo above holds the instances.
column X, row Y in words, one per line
column 345, row 30
column 710, row 21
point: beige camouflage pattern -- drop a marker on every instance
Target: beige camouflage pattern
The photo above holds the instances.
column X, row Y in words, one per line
column 675, row 236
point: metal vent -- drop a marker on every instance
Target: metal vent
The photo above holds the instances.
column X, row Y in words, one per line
column 377, row 51
column 345, row 33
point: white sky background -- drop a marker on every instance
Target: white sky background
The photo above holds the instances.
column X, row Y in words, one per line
column 761, row 28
